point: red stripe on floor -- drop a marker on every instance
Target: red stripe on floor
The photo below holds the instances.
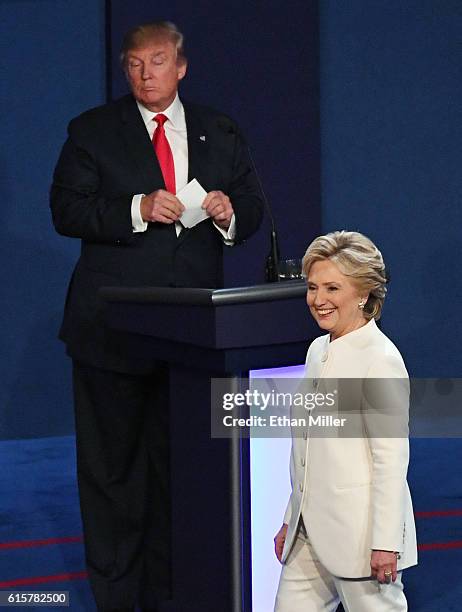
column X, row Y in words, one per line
column 43, row 579
column 441, row 545
column 436, row 513
column 47, row 542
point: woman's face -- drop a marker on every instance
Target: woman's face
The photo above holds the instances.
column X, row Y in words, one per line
column 333, row 299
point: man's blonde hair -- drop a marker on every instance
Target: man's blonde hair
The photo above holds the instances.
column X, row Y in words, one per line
column 145, row 33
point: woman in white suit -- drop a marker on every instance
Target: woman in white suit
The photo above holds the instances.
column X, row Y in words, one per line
column 348, row 531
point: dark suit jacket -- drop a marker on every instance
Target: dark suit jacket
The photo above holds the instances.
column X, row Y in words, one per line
column 107, row 158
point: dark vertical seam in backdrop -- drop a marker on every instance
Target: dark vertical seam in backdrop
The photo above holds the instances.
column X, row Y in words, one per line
column 108, row 45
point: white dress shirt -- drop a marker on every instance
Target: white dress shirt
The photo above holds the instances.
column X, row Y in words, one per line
column 177, row 136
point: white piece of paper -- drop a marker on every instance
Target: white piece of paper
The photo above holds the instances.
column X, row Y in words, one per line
column 192, row 196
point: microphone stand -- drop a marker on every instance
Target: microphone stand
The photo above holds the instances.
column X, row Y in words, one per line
column 272, row 261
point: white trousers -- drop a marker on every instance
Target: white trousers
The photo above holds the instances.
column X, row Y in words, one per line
column 306, row 586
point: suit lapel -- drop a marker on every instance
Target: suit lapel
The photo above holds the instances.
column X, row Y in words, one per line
column 139, row 146
column 198, row 147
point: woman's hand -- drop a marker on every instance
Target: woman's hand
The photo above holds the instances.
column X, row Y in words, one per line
column 384, row 565
column 279, row 540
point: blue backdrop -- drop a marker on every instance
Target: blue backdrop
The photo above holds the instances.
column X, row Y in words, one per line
column 390, row 151
column 53, row 53
column 391, row 123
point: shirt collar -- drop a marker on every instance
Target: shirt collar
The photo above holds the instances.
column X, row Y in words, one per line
column 174, row 113
column 357, row 336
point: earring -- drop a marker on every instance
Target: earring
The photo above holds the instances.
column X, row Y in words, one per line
column 361, row 304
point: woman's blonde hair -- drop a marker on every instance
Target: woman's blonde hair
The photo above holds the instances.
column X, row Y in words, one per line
column 357, row 257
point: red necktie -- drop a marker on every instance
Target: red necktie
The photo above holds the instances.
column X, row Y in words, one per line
column 164, row 153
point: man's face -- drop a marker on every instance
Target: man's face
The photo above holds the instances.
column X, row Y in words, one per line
column 153, row 73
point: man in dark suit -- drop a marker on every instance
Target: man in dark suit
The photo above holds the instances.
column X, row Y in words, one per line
column 114, row 188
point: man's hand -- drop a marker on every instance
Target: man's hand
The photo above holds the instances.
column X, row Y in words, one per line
column 161, row 206
column 219, row 207
column 279, row 540
column 384, row 565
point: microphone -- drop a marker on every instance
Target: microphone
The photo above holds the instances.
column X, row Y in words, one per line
column 272, row 261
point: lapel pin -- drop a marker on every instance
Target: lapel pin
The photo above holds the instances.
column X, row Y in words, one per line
column 202, row 138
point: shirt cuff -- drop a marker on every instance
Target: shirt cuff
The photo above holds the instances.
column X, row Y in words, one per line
column 230, row 234
column 138, row 225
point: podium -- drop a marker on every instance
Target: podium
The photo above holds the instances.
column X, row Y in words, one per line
column 204, row 334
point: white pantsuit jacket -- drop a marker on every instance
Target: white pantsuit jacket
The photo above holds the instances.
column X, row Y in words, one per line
column 352, row 492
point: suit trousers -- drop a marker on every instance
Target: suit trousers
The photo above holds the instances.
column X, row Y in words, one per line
column 306, row 586
column 122, row 437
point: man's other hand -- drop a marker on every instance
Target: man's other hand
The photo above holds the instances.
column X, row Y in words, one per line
column 219, row 207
